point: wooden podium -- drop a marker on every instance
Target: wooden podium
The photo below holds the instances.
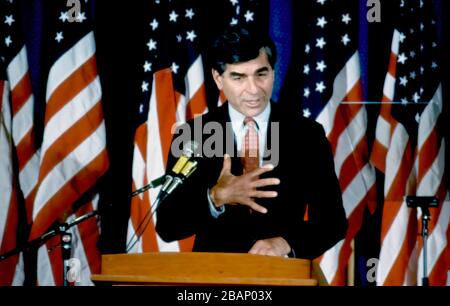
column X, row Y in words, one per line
column 191, row 268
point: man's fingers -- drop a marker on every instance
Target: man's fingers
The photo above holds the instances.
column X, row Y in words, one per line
column 255, row 206
column 256, row 247
column 254, row 250
column 265, row 251
column 263, row 194
column 266, row 247
column 261, row 170
column 261, row 248
column 265, row 182
column 270, row 252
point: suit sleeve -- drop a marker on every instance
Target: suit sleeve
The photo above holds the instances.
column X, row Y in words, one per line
column 327, row 222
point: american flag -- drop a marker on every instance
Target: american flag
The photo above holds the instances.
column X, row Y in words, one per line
column 73, row 150
column 410, row 151
column 18, row 126
column 172, row 91
column 329, row 85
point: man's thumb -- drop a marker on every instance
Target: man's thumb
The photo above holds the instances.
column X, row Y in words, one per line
column 226, row 165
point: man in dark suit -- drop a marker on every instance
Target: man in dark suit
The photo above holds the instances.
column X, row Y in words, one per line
column 290, row 204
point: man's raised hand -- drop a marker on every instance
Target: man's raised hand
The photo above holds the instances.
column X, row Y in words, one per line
column 241, row 190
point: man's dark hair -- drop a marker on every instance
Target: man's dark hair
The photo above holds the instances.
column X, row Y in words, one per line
column 240, row 46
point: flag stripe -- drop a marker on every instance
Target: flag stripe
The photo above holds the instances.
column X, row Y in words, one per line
column 397, row 245
column 194, row 77
column 74, row 85
column 329, row 263
column 196, row 92
column 165, row 112
column 71, row 137
column 349, row 139
column 45, row 268
column 21, row 93
column 197, row 104
column 399, row 162
column 352, row 166
column 428, row 139
column 356, row 192
column 140, row 150
column 27, row 152
column 18, row 68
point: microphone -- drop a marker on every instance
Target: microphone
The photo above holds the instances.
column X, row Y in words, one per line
column 187, row 170
column 153, row 184
column 167, row 179
column 188, row 151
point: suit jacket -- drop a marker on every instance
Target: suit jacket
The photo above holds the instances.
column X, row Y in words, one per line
column 308, row 184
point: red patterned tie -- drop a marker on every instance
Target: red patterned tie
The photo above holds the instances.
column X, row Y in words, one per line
column 250, row 146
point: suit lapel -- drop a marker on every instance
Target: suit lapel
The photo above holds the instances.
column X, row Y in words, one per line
column 274, row 120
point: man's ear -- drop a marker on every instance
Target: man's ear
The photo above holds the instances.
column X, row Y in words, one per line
column 217, row 78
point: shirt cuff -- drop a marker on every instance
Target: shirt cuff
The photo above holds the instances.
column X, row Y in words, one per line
column 215, row 212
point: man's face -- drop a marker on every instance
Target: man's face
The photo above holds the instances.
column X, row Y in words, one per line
column 247, row 85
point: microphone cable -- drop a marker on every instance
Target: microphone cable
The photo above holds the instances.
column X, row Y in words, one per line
column 188, row 169
column 139, row 232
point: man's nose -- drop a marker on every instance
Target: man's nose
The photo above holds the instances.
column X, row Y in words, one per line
column 252, row 86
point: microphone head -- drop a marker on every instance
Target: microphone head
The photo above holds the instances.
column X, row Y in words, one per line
column 188, row 150
column 189, row 168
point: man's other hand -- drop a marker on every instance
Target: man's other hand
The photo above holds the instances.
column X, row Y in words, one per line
column 276, row 246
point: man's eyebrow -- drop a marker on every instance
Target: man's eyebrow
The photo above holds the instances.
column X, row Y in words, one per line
column 262, row 69
column 238, row 74
column 234, row 73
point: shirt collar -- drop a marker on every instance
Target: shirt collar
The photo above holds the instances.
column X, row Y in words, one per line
column 237, row 118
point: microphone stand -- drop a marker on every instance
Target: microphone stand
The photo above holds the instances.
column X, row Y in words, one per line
column 425, row 219
column 424, row 203
column 66, row 242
